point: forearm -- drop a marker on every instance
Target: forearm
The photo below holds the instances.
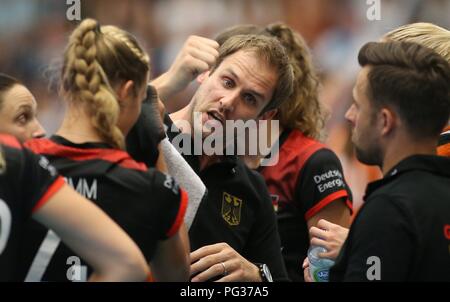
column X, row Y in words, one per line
column 163, row 85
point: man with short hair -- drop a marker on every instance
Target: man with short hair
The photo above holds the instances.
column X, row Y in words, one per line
column 401, row 103
column 234, row 235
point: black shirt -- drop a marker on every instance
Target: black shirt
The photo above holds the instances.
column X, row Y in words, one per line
column 26, row 184
column 307, row 177
column 237, row 210
column 402, row 232
column 147, row 204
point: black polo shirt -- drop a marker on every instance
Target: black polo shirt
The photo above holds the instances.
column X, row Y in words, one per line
column 237, row 210
column 402, row 232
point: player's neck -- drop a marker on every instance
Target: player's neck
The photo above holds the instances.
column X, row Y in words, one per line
column 77, row 128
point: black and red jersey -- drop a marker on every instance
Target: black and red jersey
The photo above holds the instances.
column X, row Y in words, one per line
column 27, row 183
column 147, row 204
column 307, row 177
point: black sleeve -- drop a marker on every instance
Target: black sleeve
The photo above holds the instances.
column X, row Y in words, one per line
column 264, row 243
column 38, row 180
column 143, row 139
column 385, row 230
column 170, row 204
column 321, row 182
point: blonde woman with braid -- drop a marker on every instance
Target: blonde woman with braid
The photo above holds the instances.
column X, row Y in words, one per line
column 104, row 80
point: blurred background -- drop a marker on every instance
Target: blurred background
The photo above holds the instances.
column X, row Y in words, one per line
column 33, row 35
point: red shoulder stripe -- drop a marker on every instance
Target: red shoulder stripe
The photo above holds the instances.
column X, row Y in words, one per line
column 326, row 201
column 52, row 189
column 48, row 147
column 180, row 216
column 10, row 141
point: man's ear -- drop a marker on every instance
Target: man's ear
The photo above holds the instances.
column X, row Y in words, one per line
column 268, row 115
column 389, row 121
column 202, row 77
column 125, row 90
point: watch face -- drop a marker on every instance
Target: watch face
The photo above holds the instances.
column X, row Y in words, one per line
column 267, row 273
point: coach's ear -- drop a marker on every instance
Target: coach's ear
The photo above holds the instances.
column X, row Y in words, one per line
column 202, row 77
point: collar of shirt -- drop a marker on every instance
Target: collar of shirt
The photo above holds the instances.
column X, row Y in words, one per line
column 429, row 163
column 90, row 145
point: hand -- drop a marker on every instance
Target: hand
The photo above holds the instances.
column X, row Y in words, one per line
column 144, row 137
column 197, row 55
column 223, row 261
column 306, row 272
column 329, row 235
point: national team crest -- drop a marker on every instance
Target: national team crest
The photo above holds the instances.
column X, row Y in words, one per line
column 231, row 209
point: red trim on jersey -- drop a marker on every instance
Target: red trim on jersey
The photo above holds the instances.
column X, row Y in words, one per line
column 52, row 189
column 349, row 205
column 324, row 202
column 180, row 216
column 10, row 141
column 47, row 147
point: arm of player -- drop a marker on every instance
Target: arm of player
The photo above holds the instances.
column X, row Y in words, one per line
column 329, row 235
column 94, row 236
column 170, row 262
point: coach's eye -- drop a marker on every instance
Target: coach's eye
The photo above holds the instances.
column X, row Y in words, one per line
column 228, row 83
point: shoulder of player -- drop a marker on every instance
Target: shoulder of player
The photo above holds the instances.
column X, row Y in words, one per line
column 9, row 141
column 322, row 157
column 161, row 183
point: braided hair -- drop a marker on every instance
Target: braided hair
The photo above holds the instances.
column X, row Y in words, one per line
column 96, row 59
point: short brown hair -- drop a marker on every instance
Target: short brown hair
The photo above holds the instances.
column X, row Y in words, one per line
column 303, row 110
column 412, row 80
column 274, row 54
